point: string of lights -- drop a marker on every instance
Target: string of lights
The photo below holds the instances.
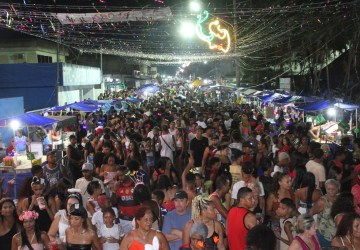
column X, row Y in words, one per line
column 262, row 32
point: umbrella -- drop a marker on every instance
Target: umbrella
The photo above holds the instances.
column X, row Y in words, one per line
column 197, row 83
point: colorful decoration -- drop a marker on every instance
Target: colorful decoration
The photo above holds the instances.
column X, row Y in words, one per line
column 27, row 215
column 218, row 37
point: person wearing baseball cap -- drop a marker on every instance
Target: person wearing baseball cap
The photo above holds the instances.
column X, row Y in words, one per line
column 175, row 220
column 87, row 170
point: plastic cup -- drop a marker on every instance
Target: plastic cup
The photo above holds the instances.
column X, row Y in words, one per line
column 41, row 202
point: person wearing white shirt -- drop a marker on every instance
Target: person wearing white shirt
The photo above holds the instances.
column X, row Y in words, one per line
column 316, row 167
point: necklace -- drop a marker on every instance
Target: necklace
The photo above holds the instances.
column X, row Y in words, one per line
column 352, row 245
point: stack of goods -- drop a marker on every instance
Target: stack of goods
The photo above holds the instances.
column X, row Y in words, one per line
column 8, row 161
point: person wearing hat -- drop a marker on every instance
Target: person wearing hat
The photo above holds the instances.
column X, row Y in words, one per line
column 175, row 220
column 79, row 235
column 82, row 183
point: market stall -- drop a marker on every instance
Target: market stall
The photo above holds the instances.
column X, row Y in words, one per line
column 19, row 166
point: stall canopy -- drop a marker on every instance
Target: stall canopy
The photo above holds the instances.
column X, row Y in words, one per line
column 82, row 107
column 57, row 108
column 92, row 102
column 28, row 120
column 64, row 121
column 315, row 106
column 283, row 100
column 348, row 107
column 270, row 97
column 249, row 91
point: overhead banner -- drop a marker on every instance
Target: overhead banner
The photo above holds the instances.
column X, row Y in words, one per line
column 114, row 17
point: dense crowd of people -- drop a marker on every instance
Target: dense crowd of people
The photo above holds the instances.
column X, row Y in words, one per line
column 177, row 175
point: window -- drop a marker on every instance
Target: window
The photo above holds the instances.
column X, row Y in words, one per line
column 44, row 59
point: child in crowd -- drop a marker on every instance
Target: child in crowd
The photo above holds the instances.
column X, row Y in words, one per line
column 287, row 213
column 97, row 218
column 94, row 190
column 111, row 233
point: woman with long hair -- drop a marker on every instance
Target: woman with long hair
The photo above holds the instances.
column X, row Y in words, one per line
column 9, row 222
column 281, row 190
column 304, row 145
column 306, row 238
column 30, row 236
column 133, row 152
column 307, row 194
column 348, row 232
column 245, row 127
column 40, row 203
column 143, row 234
column 61, row 219
column 79, row 235
column 118, row 151
column 165, row 167
column 343, row 204
column 203, row 210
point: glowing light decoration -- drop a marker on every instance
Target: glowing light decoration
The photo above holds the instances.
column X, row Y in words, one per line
column 216, row 34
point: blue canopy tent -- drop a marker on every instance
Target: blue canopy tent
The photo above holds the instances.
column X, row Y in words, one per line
column 82, row 107
column 57, row 108
column 92, row 102
column 28, row 120
column 315, row 106
column 283, row 100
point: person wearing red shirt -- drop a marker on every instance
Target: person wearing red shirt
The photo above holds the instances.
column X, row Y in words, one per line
column 240, row 219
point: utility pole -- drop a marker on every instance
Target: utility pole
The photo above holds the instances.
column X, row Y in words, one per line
column 236, row 60
column 57, row 87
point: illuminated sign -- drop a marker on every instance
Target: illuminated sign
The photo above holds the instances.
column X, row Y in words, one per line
column 217, row 38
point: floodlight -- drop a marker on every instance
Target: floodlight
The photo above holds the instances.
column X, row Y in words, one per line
column 331, row 111
column 15, row 124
